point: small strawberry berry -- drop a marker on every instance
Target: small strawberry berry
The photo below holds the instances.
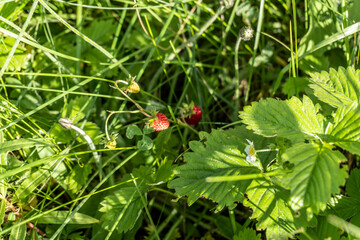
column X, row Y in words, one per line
column 159, row 123
column 193, row 116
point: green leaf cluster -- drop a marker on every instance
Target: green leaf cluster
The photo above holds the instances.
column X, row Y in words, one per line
column 303, row 174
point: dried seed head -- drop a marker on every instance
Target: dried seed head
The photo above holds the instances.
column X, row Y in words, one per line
column 246, row 33
column 227, row 3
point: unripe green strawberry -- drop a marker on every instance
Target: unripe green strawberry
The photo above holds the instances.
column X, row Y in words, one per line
column 159, row 123
column 133, row 87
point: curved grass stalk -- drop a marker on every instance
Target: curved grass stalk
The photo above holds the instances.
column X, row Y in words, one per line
column 67, row 124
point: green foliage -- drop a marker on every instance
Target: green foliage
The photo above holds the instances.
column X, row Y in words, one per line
column 345, row 132
column 18, row 233
column 293, row 119
column 349, row 206
column 220, row 155
column 132, row 131
column 20, row 58
column 315, row 175
column 280, row 173
column 247, row 233
column 122, row 208
column 337, row 88
column 269, row 209
column 77, row 178
column 57, row 217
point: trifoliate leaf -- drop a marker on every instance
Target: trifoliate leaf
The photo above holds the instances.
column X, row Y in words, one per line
column 270, row 210
column 290, row 119
column 315, row 176
column 345, row 132
column 337, row 88
column 222, row 154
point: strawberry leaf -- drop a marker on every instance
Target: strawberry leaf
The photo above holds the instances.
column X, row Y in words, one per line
column 337, row 88
column 222, row 154
column 269, row 209
column 315, row 176
column 290, row 119
column 349, row 206
column 122, row 208
column 345, row 132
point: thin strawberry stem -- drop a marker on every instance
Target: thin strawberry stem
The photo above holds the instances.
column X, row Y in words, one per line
column 108, row 117
column 185, row 125
column 125, row 95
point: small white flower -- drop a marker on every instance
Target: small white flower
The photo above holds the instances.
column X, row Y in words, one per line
column 251, row 152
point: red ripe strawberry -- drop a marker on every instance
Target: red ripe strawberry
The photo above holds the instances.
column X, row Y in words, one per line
column 159, row 123
column 194, row 116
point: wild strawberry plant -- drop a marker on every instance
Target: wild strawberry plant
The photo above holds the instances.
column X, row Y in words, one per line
column 300, row 165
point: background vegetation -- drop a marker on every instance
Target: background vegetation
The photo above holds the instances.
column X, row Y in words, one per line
column 60, row 59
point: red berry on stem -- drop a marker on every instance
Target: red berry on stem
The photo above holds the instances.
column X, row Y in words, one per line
column 195, row 116
column 159, row 123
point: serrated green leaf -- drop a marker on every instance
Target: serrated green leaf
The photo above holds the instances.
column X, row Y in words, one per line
column 132, row 131
column 323, row 230
column 349, row 206
column 58, row 217
column 221, row 155
column 223, row 224
column 337, row 88
column 290, row 119
column 270, row 210
column 345, row 132
column 294, row 85
column 78, row 177
column 315, row 176
column 353, row 183
column 123, row 207
column 247, row 233
column 165, row 172
column 19, row 59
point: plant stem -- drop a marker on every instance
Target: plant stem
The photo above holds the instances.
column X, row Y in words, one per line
column 67, row 124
